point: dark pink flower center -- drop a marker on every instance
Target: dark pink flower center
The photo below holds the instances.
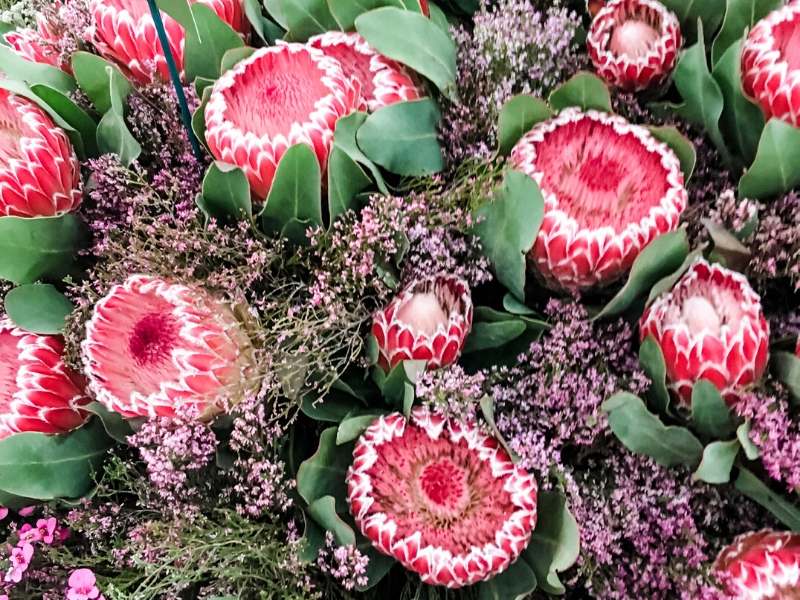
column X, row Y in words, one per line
column 273, row 93
column 444, row 483
column 787, row 41
column 600, row 177
column 153, row 339
column 354, row 64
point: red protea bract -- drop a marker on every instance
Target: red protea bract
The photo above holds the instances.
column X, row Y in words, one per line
column 771, row 64
column 609, row 189
column 39, row 172
column 634, row 44
column 429, row 320
column 39, row 45
column 125, row 33
column 279, row 96
column 761, row 565
column 382, row 80
column 155, row 348
column 709, row 326
column 37, row 391
column 441, row 497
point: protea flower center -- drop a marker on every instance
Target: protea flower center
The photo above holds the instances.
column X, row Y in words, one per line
column 154, row 348
column 424, row 313
column 609, row 187
column 457, row 509
column 634, row 43
column 771, row 64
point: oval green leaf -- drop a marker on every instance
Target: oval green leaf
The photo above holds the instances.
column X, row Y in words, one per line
column 776, row 168
column 786, row 512
column 652, row 361
column 226, row 193
column 740, row 16
column 93, row 75
column 207, row 43
column 710, row 415
column 16, row 67
column 717, row 462
column 324, row 473
column 680, row 145
column 584, row 90
column 493, row 335
column 786, row 367
column 517, row 117
column 38, row 308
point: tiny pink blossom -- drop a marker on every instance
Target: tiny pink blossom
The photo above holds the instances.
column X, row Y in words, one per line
column 46, row 529
column 3, row 515
column 28, row 534
column 20, row 559
column 82, row 586
column 27, row 511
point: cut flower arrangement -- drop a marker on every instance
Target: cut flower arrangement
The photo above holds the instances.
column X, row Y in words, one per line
column 468, row 299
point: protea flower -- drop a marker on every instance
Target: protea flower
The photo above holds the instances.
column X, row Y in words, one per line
column 39, row 172
column 37, row 391
column 634, row 44
column 761, row 565
column 441, row 497
column 39, row 45
column 429, row 320
column 124, row 32
column 771, row 64
column 382, row 80
column 279, row 96
column 609, row 189
column 709, row 326
column 154, row 348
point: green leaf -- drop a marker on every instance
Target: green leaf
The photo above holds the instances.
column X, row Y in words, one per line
column 742, row 121
column 412, row 39
column 555, row 544
column 226, row 193
column 710, row 414
column 295, row 195
column 786, row 512
column 252, row 10
column 717, row 463
column 728, row 250
column 113, row 135
column 743, row 434
column 275, row 10
column 689, row 11
column 234, row 56
column 333, row 408
column 206, row 45
column 323, row 511
column 16, row 67
column 345, row 12
column 507, row 227
column 43, row 247
column 584, row 90
column 786, row 367
column 199, row 117
column 355, row 423
column 680, row 145
column 397, row 387
column 344, row 139
column 515, row 307
column 346, row 179
column 643, row 433
column 660, row 258
column 46, row 467
column 776, row 168
column 38, row 308
column 304, row 18
column 93, row 75
column 71, row 114
column 493, row 335
column 702, row 98
column 517, row 117
column 740, row 15
column 180, row 10
column 652, row 361
column 324, row 473
column 402, row 137
column 117, row 427
column 515, row 583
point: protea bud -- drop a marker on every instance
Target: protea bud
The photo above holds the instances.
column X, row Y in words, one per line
column 125, row 33
column 761, row 565
column 709, row 326
column 771, row 64
column 154, row 348
column 609, row 189
column 277, row 97
column 37, row 391
column 39, row 45
column 441, row 497
column 429, row 320
column 383, row 81
column 39, row 172
column 634, row 44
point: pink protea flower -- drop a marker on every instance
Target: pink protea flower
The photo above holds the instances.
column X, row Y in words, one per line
column 37, row 391
column 709, row 326
column 251, row 124
column 761, row 565
column 39, row 45
column 154, row 348
column 124, row 32
column 429, row 320
column 771, row 64
column 383, row 81
column 441, row 497
column 39, row 172
column 634, row 44
column 609, row 188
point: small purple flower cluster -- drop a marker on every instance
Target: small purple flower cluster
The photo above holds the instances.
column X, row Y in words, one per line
column 452, row 392
column 345, row 564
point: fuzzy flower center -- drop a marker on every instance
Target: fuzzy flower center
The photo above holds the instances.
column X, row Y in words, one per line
column 787, row 41
column 153, row 339
column 423, row 313
column 705, row 306
column 275, row 92
column 444, row 485
column 633, row 38
column 354, row 64
column 600, row 177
